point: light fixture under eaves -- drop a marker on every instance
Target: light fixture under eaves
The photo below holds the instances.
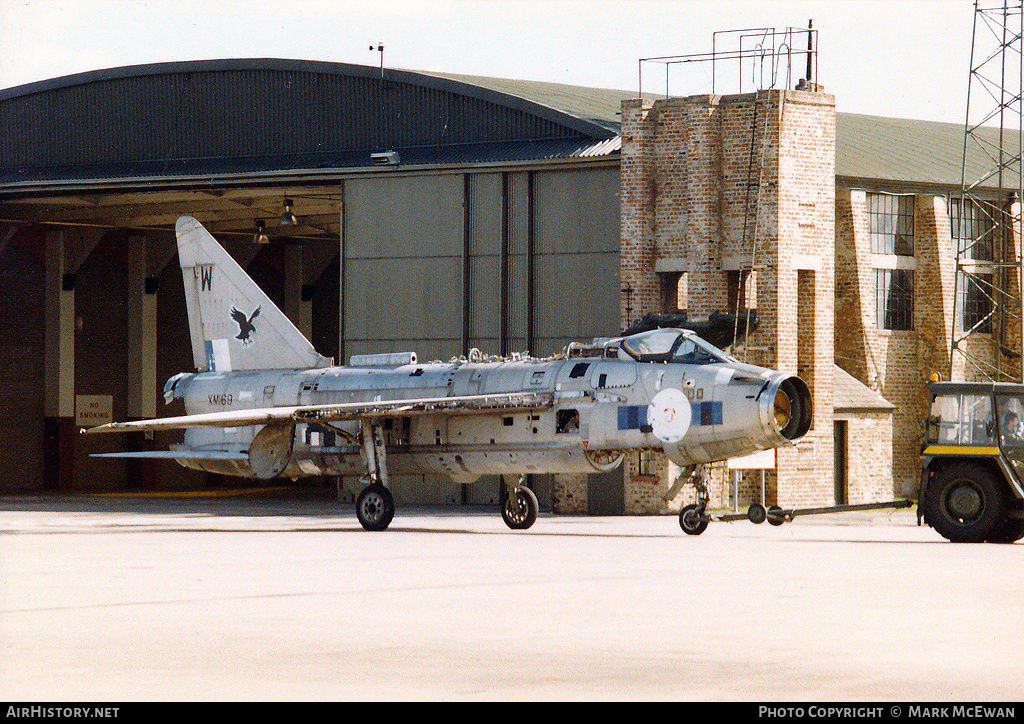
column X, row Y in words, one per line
column 385, row 158
column 287, row 218
column 261, row 234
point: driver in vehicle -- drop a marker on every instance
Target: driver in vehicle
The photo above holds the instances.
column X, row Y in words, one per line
column 1013, row 431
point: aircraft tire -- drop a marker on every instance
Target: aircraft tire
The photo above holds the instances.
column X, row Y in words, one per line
column 964, row 503
column 775, row 515
column 691, row 521
column 520, row 512
column 375, row 507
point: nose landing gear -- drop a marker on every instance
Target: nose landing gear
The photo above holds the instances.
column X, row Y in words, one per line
column 693, row 518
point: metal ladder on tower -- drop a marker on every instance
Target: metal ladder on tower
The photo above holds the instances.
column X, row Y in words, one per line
column 757, row 187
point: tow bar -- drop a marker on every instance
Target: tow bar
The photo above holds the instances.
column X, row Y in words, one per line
column 775, row 515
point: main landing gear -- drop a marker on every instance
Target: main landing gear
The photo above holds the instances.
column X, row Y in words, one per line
column 518, row 504
column 375, row 505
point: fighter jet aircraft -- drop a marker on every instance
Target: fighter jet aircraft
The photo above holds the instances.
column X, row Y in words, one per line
column 265, row 404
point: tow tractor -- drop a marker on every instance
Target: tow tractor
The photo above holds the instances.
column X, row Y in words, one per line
column 972, row 462
column 972, row 469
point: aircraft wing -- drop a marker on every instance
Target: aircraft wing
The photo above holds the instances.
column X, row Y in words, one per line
column 470, row 404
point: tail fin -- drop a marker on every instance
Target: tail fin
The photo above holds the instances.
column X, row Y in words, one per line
column 234, row 325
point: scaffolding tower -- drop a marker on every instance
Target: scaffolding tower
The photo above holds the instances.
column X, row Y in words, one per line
column 985, row 220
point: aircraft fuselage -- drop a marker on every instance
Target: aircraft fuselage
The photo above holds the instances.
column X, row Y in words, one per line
column 597, row 408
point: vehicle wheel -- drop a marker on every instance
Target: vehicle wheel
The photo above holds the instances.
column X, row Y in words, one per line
column 965, row 503
column 1011, row 531
column 775, row 515
column 756, row 513
column 375, row 507
column 519, row 511
column 691, row 521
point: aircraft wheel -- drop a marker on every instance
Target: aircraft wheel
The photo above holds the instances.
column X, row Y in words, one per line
column 690, row 520
column 375, row 507
column 519, row 511
column 756, row 513
column 775, row 515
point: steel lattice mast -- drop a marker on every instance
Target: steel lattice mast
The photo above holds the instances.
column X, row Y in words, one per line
column 985, row 220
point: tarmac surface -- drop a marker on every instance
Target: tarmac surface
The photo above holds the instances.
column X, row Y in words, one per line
column 284, row 597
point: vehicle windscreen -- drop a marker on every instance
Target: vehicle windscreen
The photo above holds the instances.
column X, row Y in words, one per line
column 1011, row 420
column 962, row 419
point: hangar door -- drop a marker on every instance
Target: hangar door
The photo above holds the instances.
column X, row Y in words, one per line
column 495, row 260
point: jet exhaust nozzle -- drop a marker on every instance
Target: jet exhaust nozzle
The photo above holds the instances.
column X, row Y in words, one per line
column 791, row 408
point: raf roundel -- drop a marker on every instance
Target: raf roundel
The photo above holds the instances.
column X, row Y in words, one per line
column 669, row 415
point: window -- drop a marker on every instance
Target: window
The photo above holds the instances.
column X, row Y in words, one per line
column 972, row 223
column 891, row 230
column 741, row 284
column 973, row 227
column 673, row 292
column 689, row 352
column 976, row 302
column 891, row 224
column 961, row 419
column 894, row 298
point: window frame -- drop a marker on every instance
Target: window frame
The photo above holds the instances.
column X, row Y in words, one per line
column 979, row 244
column 891, row 223
column 894, row 302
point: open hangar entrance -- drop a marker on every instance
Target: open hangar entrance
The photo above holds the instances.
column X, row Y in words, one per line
column 451, row 215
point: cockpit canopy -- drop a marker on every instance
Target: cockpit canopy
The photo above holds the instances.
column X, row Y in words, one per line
column 671, row 345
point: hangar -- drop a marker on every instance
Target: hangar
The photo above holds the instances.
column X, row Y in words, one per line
column 386, row 211
column 454, row 217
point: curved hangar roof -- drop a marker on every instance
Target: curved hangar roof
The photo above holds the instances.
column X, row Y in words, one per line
column 170, row 123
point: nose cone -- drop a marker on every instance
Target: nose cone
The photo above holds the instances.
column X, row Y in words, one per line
column 787, row 407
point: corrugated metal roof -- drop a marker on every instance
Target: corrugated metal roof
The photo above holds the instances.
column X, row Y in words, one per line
column 287, row 115
column 927, row 153
column 601, row 106
column 212, row 117
column 875, row 149
column 308, row 167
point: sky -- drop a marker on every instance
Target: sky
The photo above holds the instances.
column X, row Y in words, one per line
column 895, row 58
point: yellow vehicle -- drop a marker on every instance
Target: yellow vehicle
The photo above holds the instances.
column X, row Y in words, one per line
column 972, row 462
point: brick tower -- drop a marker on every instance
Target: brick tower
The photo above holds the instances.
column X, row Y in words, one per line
column 728, row 202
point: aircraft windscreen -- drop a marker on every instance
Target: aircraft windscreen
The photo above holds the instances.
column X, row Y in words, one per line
column 669, row 345
column 692, row 353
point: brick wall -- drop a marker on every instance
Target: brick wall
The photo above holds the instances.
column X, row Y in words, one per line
column 896, row 363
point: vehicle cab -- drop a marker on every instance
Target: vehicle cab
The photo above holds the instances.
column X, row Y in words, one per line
column 972, row 461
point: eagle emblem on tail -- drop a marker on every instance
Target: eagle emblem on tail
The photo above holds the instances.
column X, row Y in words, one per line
column 245, row 326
